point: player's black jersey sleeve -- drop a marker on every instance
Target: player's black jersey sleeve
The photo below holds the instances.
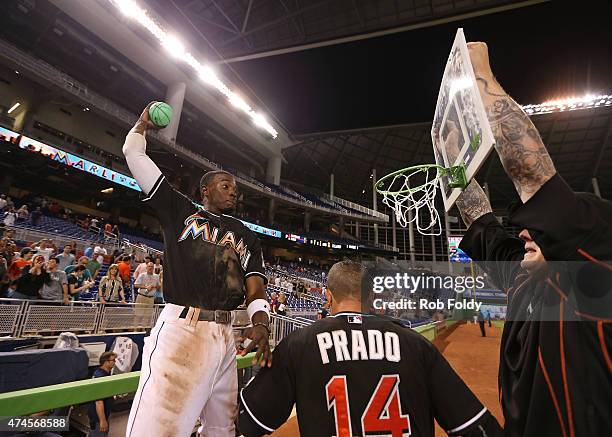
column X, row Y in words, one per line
column 267, row 400
column 256, row 266
column 499, row 253
column 455, row 407
column 168, row 203
column 562, row 222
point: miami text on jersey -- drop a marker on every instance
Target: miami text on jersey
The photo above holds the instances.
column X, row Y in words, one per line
column 196, row 226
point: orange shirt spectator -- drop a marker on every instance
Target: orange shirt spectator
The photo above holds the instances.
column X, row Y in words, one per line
column 16, row 267
column 108, row 228
column 125, row 269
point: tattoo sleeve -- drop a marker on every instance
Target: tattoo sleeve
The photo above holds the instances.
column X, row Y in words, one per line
column 473, row 203
column 518, row 143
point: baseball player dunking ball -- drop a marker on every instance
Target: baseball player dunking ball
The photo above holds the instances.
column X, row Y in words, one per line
column 189, row 359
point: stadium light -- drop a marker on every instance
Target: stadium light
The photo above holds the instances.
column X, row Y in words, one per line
column 177, row 49
column 15, row 106
column 569, row 104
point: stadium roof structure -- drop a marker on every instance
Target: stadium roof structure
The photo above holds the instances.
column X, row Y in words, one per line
column 84, row 39
column 250, row 29
column 579, row 141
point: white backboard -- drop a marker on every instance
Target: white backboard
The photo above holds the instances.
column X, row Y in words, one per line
column 460, row 107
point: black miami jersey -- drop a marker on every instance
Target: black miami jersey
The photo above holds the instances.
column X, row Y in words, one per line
column 361, row 375
column 210, row 255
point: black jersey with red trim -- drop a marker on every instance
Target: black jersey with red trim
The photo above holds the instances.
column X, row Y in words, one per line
column 209, row 256
column 555, row 375
column 358, row 375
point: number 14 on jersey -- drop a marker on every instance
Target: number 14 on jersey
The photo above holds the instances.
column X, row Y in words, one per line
column 383, row 414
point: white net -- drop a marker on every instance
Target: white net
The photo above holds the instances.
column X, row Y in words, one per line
column 412, row 195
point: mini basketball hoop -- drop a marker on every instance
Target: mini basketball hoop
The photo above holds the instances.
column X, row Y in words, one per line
column 414, row 189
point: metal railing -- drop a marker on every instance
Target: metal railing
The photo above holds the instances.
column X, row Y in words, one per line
column 27, row 234
column 29, row 318
column 26, row 318
column 281, row 326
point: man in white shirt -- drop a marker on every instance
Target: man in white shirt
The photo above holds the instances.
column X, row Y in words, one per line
column 3, row 202
column 99, row 253
column 142, row 267
column 146, row 285
column 44, row 247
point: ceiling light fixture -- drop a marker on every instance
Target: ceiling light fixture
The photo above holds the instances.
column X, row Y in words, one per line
column 569, row 104
column 177, row 49
column 15, row 106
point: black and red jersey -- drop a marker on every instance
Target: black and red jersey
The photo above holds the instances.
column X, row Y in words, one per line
column 359, row 375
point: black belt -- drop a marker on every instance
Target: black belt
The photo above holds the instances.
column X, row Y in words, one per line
column 217, row 316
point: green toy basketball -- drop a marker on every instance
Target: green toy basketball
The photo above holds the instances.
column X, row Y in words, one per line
column 160, row 114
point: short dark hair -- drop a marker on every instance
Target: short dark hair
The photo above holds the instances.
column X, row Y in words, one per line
column 345, row 279
column 79, row 268
column 107, row 356
column 25, row 251
column 208, row 177
column 54, row 258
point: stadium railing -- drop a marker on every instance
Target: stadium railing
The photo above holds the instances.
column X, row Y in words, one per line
column 33, row 318
column 30, row 401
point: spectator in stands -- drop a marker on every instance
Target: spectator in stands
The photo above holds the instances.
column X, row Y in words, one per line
column 94, row 224
column 44, row 247
column 31, row 280
column 108, row 228
column 5, row 250
column 146, row 285
column 125, row 272
column 273, row 301
column 158, row 265
column 86, row 275
column 94, row 268
column 10, row 217
column 4, row 279
column 77, row 283
column 54, row 209
column 281, row 310
column 99, row 411
column 55, row 282
column 142, row 267
column 99, row 253
column 277, row 281
column 23, row 214
column 89, row 250
column 73, row 248
column 159, row 294
column 3, row 202
column 65, row 258
column 110, row 288
column 36, row 216
column 24, row 259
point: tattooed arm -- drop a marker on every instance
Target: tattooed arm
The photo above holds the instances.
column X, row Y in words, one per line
column 473, row 203
column 517, row 141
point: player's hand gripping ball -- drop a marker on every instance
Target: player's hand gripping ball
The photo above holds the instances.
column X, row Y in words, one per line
column 160, row 114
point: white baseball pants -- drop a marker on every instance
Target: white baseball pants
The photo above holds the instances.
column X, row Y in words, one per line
column 188, row 370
